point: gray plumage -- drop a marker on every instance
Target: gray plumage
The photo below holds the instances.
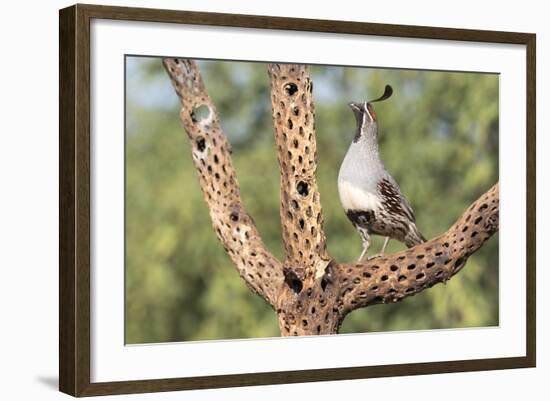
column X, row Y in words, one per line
column 370, row 196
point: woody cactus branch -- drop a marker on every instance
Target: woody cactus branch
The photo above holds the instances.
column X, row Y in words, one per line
column 301, row 212
column 394, row 277
column 311, row 292
column 211, row 154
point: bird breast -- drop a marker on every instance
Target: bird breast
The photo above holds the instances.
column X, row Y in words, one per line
column 354, row 197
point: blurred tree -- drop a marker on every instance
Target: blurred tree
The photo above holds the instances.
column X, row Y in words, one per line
column 439, row 135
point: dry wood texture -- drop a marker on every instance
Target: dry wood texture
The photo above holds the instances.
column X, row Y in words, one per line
column 394, row 277
column 212, row 157
column 310, row 291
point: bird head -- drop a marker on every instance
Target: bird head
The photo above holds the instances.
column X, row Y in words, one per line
column 365, row 115
column 363, row 110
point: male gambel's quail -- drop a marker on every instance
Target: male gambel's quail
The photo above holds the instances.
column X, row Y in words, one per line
column 369, row 194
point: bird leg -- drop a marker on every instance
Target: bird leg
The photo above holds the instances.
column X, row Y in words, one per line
column 366, row 243
column 386, row 240
column 362, row 256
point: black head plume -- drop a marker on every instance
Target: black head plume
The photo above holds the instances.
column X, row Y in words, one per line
column 388, row 91
column 364, row 112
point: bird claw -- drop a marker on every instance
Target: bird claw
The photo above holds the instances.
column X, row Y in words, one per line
column 366, row 259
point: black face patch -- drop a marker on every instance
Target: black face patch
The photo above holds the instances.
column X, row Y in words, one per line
column 357, row 135
column 361, row 218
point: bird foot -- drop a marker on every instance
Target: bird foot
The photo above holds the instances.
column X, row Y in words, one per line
column 375, row 256
column 366, row 259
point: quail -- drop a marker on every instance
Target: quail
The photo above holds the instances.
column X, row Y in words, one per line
column 370, row 196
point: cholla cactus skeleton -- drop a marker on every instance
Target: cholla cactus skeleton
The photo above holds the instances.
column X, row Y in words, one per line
column 310, row 292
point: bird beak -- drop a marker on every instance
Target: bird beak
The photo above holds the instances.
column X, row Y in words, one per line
column 355, row 106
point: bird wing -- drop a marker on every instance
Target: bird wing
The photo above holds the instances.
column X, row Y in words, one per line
column 394, row 199
column 408, row 210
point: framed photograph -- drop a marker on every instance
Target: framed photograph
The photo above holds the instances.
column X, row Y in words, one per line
column 250, row 200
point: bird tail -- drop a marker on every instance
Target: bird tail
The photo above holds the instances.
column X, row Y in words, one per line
column 414, row 237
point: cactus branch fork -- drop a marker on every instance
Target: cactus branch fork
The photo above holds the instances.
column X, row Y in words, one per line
column 310, row 291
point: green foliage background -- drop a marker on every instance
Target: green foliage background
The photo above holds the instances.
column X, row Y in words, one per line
column 438, row 138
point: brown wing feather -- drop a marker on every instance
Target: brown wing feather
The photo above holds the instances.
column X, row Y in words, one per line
column 394, row 201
